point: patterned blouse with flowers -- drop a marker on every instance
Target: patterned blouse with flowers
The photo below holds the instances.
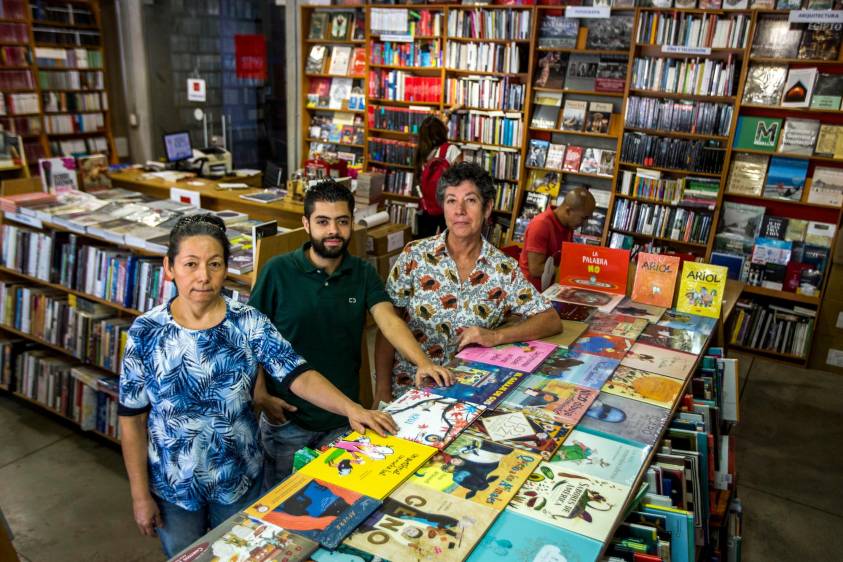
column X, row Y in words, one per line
column 438, row 307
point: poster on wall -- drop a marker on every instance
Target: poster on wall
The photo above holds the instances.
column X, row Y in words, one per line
column 250, row 56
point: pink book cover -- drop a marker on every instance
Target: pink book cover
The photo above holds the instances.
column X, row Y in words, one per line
column 524, row 356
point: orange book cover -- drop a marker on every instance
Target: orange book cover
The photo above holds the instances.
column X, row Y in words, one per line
column 594, row 267
column 655, row 279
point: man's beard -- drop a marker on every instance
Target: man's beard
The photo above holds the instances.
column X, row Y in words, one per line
column 329, row 253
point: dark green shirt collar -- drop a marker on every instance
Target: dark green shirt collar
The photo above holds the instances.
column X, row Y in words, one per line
column 307, row 266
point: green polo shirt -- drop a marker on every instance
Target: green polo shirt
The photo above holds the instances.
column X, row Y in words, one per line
column 323, row 316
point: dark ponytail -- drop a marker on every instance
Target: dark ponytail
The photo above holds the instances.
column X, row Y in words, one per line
column 432, row 133
column 198, row 225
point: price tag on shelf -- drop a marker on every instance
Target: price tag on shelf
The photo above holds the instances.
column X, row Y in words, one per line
column 397, row 38
column 23, row 219
column 686, row 50
column 588, row 12
column 815, row 16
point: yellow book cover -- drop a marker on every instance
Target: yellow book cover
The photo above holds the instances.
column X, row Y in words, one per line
column 369, row 464
column 701, row 289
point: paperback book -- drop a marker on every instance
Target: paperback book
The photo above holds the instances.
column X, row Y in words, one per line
column 747, row 174
column 625, row 419
column 599, row 456
column 478, row 383
column 764, row 84
column 828, row 93
column 522, row 356
column 558, row 32
column 826, row 186
column 655, row 279
column 659, row 360
column 758, row 133
column 674, row 338
column 820, row 41
column 581, row 369
column 58, row 175
column 673, row 318
column 537, row 154
column 602, row 301
column 517, row 429
column 430, row 419
column 643, row 386
column 701, row 289
column 799, row 136
column 617, row 324
column 799, row 87
column 649, row 312
column 603, row 345
column 550, row 398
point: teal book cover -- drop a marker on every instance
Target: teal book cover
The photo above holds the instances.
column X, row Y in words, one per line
column 680, row 525
column 786, row 178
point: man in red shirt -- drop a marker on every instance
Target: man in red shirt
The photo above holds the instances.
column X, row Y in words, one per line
column 547, row 231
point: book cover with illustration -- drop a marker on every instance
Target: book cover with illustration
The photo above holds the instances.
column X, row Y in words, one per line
column 659, row 360
column 478, row 383
column 600, row 300
column 319, row 510
column 594, row 267
column 515, row 538
column 625, row 419
column 571, row 330
column 479, row 470
column 241, row 537
column 599, row 456
column 604, row 345
column 648, row 312
column 572, row 500
column 521, row 431
column 368, row 463
column 58, row 175
column 522, row 356
column 617, row 324
column 644, row 386
column 672, row 318
column 552, row 399
column 701, row 289
column 581, row 369
column 431, row 419
column 655, row 279
column 688, row 341
column 420, row 523
column 569, row 311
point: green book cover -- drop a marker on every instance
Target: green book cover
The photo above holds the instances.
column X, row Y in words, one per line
column 828, row 93
column 758, row 133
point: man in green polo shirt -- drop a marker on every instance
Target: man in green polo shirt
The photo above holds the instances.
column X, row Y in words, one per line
column 317, row 297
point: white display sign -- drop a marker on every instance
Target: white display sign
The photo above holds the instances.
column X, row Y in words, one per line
column 397, row 38
column 195, row 89
column 815, row 16
column 17, row 217
column 588, row 12
column 185, row 196
column 686, row 50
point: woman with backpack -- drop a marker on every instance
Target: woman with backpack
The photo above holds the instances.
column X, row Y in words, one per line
column 434, row 155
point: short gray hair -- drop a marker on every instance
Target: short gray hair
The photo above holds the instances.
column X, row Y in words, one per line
column 467, row 171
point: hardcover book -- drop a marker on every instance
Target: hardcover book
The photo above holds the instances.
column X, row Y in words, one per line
column 93, row 172
column 599, row 268
column 537, row 155
column 655, row 279
column 613, row 33
column 758, row 133
column 786, row 178
column 674, row 338
column 340, row 59
column 764, row 84
column 643, row 386
column 543, row 181
column 521, row 431
column 573, row 115
column 522, row 356
column 820, row 41
column 742, row 220
column 826, row 186
column 617, row 324
column 558, row 32
column 602, row 301
column 776, row 38
column 581, row 369
column 555, row 156
column 604, row 345
column 569, row 311
column 830, row 141
column 573, row 156
column 747, row 174
column 828, row 92
column 684, row 321
column 318, row 25
column 58, row 175
column 799, row 87
column 581, row 72
column 551, row 70
column 649, row 312
column 430, row 419
column 701, row 288
column 552, row 399
column 546, row 110
column 625, row 419
column 601, row 457
column 611, row 74
column 598, row 117
column 478, row 383
column 799, row 136
column 315, row 60
column 591, row 161
column 659, row 360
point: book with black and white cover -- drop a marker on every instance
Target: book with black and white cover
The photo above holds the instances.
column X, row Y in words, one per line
column 799, row 87
column 598, row 117
column 826, row 186
column 776, row 38
column 821, row 41
column 315, row 60
column 828, row 92
column 590, row 163
column 607, row 163
column 558, row 32
column 799, row 136
column 537, row 154
column 573, row 115
column 340, row 91
column 742, row 220
column 581, row 72
column 546, row 110
column 555, row 156
column 764, row 84
column 747, row 174
column 340, row 57
column 611, row 34
column 318, row 25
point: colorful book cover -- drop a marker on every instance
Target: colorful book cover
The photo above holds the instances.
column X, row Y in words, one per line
column 655, row 279
column 594, row 267
column 701, row 289
column 643, row 386
column 478, row 383
column 625, row 419
column 660, row 360
column 604, row 345
column 321, row 511
column 58, row 175
column 344, row 553
column 649, row 312
column 572, row 500
column 430, row 419
column 519, row 430
column 571, row 330
column 571, row 312
column 602, row 301
column 551, row 399
column 757, row 133
column 581, row 369
column 369, row 463
column 684, row 321
column 522, row 356
column 515, row 538
column 601, row 457
column 674, row 338
column 617, row 324
column 475, row 469
column 419, row 523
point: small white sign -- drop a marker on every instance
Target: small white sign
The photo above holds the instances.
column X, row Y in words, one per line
column 686, row 50
column 185, row 196
column 394, row 241
column 588, row 12
column 834, row 357
column 24, row 219
column 839, row 323
column 815, row 16
column 397, row 38
column 195, row 89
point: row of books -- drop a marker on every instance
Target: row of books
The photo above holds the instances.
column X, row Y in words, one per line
column 612, row 33
column 420, row 54
column 422, row 23
column 336, row 127
column 501, row 164
column 570, row 158
column 19, row 104
column 759, row 175
column 402, row 86
column 679, row 116
column 68, row 58
column 74, row 101
column 78, row 123
column 339, row 60
column 713, row 31
column 13, row 9
column 505, row 196
column 650, row 185
column 337, row 26
column 71, row 80
column 484, row 92
column 776, row 84
column 27, row 125
column 403, row 212
column 662, row 221
column 335, row 93
column 777, row 37
column 14, row 56
column 489, row 24
column 494, row 230
column 399, row 181
column 71, row 14
column 74, row 147
column 16, row 80
column 499, row 128
column 485, row 57
column 694, row 76
column 391, row 151
column 401, row 119
column 770, row 327
column 666, row 152
column 14, row 32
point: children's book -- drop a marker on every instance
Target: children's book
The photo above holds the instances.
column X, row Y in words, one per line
column 478, row 383
column 240, row 536
column 568, row 311
column 368, row 463
column 520, row 430
column 674, row 338
column 625, row 419
column 420, row 523
column 321, row 511
column 649, row 312
column 581, row 369
column 661, row 361
column 523, row 356
column 701, row 289
column 602, row 301
column 655, row 279
column 604, row 345
column 475, row 469
column 344, row 553
column 514, row 537
column 600, row 456
column 643, row 386
column 430, row 419
column 572, row 500
column 552, row 399
column 571, row 330
column 594, row 267
column 685, row 321
column 617, row 324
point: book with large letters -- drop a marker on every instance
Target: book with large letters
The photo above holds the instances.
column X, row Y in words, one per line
column 701, row 288
column 655, row 279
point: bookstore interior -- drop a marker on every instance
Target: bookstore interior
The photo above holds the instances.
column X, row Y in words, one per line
column 708, row 133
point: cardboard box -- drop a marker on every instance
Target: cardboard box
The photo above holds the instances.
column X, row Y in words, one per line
column 827, row 354
column 387, row 238
column 383, row 264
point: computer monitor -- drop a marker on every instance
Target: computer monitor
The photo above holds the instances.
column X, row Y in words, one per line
column 177, row 146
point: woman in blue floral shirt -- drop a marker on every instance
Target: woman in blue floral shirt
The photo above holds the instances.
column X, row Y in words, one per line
column 189, row 434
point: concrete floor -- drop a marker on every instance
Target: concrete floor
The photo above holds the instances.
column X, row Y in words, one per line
column 66, row 497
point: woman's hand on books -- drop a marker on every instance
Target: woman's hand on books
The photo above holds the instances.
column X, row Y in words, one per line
column 381, row 423
column 147, row 516
column 440, row 375
column 476, row 335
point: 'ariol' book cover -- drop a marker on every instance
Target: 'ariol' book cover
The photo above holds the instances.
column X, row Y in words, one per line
column 475, row 469
column 478, row 383
column 757, row 133
column 701, row 289
column 828, row 93
column 601, row 457
column 536, row 435
column 368, row 463
column 786, row 178
column 617, row 324
column 655, row 279
column 659, row 360
column 672, row 318
column 799, row 87
column 626, row 419
column 430, row 419
column 821, row 41
column 321, row 511
column 650, row 312
column 604, row 345
column 551, row 399
column 674, row 338
column 558, row 32
column 598, row 268
column 747, row 174
column 826, row 186
column 521, row 356
column 514, row 537
column 799, row 136
column 644, row 386
column 420, row 523
column 764, row 84
column 240, row 537
column 572, row 500
column 581, row 369
column 58, row 175
column 602, row 301
column 537, row 155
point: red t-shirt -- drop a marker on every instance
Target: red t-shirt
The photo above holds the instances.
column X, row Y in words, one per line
column 544, row 235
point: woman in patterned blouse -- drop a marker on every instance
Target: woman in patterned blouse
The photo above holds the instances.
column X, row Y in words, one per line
column 456, row 289
column 189, row 434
